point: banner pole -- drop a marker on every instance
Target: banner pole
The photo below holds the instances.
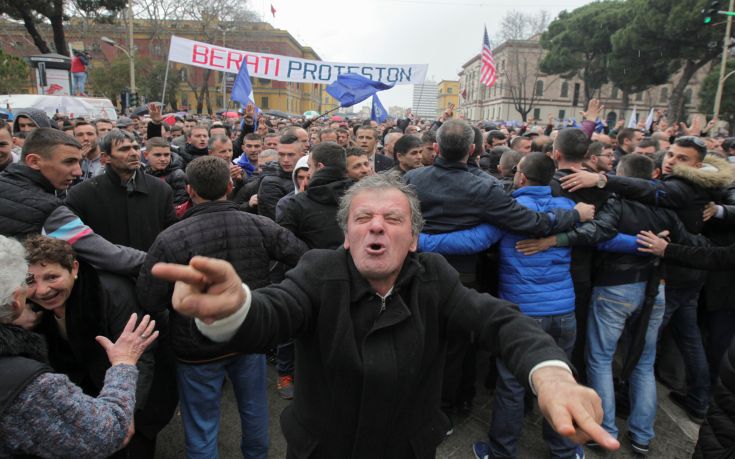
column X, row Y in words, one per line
column 165, row 81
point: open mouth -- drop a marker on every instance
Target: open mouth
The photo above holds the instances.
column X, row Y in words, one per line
column 376, row 248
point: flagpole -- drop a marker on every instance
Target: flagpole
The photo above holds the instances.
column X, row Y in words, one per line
column 165, row 81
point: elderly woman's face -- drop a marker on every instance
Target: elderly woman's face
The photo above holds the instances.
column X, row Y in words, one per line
column 51, row 285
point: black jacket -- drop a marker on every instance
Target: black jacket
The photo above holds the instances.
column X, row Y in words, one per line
column 717, row 434
column 23, row 357
column 626, row 217
column 453, row 198
column 312, row 215
column 369, row 383
column 189, row 153
column 215, row 229
column 100, row 304
column 382, row 162
column 27, row 198
column 582, row 256
column 710, row 258
column 273, row 186
column 175, row 178
column 131, row 215
column 717, row 288
column 687, row 190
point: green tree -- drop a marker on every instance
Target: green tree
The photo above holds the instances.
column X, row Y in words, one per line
column 152, row 84
column 14, row 74
column 109, row 79
column 578, row 43
column 33, row 12
column 670, row 35
column 708, row 90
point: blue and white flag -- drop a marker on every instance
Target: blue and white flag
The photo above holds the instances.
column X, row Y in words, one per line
column 633, row 121
column 242, row 90
column 649, row 120
column 378, row 113
column 350, row 89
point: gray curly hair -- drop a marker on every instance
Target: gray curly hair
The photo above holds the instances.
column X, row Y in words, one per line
column 383, row 181
column 13, row 269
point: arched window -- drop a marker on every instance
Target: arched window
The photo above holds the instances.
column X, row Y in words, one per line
column 565, row 89
column 539, row 89
column 688, row 96
column 639, row 97
column 664, row 95
column 612, row 118
column 614, row 93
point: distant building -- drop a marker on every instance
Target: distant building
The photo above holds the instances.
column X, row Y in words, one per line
column 521, row 83
column 424, row 99
column 151, row 39
column 448, row 94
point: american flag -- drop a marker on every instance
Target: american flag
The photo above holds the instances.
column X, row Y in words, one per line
column 488, row 75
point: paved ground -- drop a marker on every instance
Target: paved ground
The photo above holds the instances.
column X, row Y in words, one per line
column 676, row 435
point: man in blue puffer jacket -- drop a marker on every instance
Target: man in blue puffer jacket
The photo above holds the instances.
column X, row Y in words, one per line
column 542, row 287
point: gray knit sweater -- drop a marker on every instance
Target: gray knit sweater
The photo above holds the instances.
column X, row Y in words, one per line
column 51, row 417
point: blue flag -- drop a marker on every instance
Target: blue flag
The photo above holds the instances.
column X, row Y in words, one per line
column 242, row 92
column 351, row 88
column 378, row 112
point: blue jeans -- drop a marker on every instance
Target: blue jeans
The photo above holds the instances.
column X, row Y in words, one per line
column 611, row 306
column 506, row 419
column 681, row 311
column 285, row 360
column 78, row 79
column 200, row 392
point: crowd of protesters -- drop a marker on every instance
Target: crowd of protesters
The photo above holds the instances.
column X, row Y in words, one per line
column 614, row 246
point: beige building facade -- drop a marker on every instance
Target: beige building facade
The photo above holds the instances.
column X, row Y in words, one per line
column 520, row 84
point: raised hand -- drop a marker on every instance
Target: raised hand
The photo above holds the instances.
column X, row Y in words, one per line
column 132, row 342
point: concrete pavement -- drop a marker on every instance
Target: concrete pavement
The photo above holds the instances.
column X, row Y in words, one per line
column 675, row 434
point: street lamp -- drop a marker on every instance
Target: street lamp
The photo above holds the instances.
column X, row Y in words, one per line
column 112, row 42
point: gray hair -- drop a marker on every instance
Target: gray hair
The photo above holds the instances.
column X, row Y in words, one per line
column 269, row 153
column 383, row 181
column 454, row 138
column 13, row 269
column 217, row 138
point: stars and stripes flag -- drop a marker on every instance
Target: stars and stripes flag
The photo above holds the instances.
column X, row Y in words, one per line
column 488, row 74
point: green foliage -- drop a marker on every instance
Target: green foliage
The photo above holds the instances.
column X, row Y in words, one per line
column 578, row 43
column 709, row 89
column 110, row 79
column 14, row 74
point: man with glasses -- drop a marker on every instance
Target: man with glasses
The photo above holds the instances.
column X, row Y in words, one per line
column 599, row 157
column 689, row 182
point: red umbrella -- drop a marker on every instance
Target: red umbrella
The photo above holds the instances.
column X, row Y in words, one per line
column 170, row 120
column 337, row 118
column 229, row 115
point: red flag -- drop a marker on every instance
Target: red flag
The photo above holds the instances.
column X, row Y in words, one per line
column 273, row 10
column 488, row 73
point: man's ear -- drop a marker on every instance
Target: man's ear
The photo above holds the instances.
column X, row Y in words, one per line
column 190, row 191
column 436, row 148
column 33, row 160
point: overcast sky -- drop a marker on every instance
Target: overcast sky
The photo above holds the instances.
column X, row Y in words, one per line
column 443, row 34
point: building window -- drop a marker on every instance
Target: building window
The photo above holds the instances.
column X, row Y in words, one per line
column 564, row 91
column 664, row 95
column 264, row 102
column 688, row 96
column 536, row 113
column 639, row 97
column 562, row 114
column 612, row 118
column 539, row 89
column 614, row 93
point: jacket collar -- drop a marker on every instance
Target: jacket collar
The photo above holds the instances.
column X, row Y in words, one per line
column 209, row 207
column 714, row 173
column 361, row 288
column 17, row 342
column 439, row 161
column 137, row 183
column 26, row 173
column 535, row 191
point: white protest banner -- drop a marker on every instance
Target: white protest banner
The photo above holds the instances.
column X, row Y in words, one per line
column 286, row 68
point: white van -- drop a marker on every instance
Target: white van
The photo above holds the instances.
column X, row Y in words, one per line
column 87, row 107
